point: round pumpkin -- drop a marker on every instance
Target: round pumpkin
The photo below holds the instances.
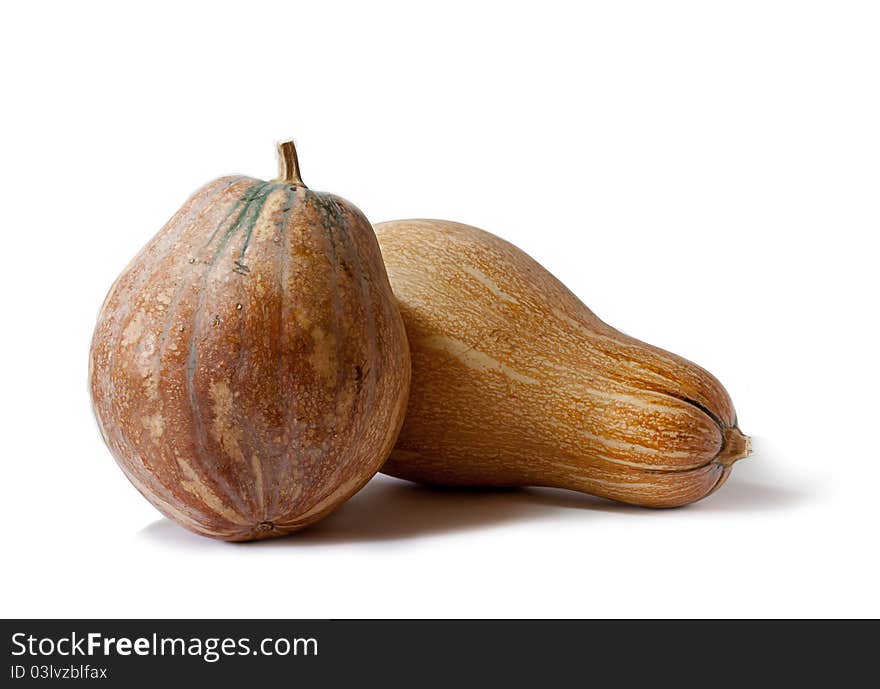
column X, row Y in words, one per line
column 249, row 370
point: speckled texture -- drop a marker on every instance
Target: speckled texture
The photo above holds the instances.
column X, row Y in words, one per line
column 249, row 369
column 516, row 382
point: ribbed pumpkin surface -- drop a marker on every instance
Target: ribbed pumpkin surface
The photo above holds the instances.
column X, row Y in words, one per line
column 249, row 369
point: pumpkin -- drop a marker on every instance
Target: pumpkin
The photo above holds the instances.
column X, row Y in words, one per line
column 249, row 369
column 516, row 382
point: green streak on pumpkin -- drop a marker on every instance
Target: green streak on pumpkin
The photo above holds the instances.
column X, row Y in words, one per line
column 248, row 209
column 244, row 198
column 259, row 202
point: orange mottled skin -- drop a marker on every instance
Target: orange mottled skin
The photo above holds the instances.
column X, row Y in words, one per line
column 516, row 382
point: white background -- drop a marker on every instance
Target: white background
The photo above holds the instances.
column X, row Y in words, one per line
column 704, row 175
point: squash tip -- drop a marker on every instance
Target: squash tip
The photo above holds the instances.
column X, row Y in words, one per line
column 736, row 446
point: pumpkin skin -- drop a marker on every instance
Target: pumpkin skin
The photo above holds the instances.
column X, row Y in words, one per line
column 249, row 369
column 516, row 382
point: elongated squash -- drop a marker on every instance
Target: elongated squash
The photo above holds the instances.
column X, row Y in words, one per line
column 516, row 382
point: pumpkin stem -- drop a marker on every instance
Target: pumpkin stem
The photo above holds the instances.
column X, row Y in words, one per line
column 288, row 165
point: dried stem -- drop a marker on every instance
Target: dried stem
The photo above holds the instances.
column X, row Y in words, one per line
column 288, row 164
